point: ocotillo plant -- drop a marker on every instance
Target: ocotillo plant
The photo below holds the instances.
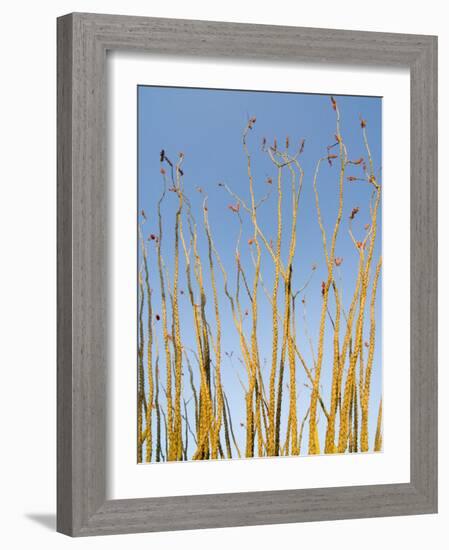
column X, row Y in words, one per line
column 310, row 392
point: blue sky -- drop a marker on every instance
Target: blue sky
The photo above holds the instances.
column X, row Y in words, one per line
column 206, row 125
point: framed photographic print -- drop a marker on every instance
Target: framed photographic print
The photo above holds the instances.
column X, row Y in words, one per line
column 247, row 250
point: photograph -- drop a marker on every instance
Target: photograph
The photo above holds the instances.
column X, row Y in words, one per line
column 220, row 293
column 259, row 276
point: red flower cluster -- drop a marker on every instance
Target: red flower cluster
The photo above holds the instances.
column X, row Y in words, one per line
column 356, row 162
column 354, row 212
column 330, row 158
column 251, row 122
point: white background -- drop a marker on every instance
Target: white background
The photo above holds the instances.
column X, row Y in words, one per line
column 27, row 285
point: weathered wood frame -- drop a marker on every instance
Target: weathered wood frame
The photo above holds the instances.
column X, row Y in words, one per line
column 83, row 40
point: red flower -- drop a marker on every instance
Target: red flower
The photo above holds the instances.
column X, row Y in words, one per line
column 330, row 158
column 354, row 212
column 356, row 162
column 235, row 208
column 251, row 122
column 338, row 261
column 334, row 104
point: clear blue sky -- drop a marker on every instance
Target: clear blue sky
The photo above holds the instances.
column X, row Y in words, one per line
column 206, row 125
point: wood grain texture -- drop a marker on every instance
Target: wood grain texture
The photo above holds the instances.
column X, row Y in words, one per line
column 64, row 278
column 83, row 40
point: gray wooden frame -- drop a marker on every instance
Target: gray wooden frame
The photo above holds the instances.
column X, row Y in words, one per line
column 83, row 40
